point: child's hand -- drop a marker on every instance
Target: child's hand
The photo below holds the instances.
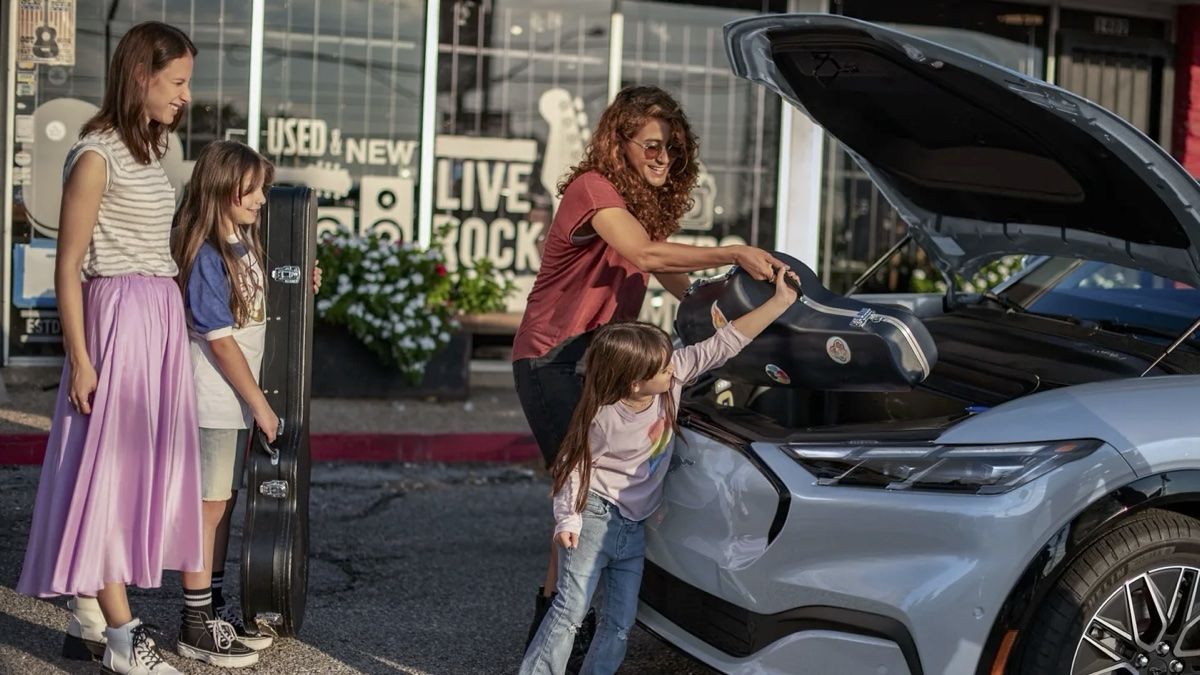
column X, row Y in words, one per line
column 567, row 539
column 754, row 322
column 317, row 278
column 268, row 421
column 785, row 292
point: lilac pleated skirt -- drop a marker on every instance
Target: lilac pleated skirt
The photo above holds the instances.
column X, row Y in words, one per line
column 119, row 497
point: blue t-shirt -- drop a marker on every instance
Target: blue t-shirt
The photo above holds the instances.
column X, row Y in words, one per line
column 208, row 293
column 211, row 318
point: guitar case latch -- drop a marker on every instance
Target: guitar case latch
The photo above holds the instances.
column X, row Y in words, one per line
column 277, row 489
column 286, row 274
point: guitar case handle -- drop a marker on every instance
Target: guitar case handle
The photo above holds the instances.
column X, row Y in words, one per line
column 272, row 452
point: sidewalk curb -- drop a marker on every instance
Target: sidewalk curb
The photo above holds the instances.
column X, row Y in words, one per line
column 29, row 449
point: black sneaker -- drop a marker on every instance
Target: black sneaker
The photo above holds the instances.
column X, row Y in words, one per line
column 213, row 641
column 253, row 639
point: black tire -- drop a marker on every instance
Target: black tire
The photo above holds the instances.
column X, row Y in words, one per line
column 1150, row 540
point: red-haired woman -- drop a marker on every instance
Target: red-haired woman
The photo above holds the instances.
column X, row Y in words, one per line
column 608, row 236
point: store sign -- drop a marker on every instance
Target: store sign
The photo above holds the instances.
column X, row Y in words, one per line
column 39, row 326
column 1111, row 25
column 46, row 32
column 306, row 137
column 483, row 193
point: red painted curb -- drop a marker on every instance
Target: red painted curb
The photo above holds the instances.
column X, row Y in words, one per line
column 478, row 447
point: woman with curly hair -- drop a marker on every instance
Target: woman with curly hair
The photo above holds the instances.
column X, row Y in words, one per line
column 609, row 234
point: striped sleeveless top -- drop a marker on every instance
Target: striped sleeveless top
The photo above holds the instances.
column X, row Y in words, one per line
column 133, row 228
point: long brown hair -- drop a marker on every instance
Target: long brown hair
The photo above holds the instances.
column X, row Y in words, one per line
column 142, row 52
column 219, row 180
column 657, row 209
column 621, row 354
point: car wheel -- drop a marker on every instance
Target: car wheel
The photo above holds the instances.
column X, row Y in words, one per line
column 1129, row 603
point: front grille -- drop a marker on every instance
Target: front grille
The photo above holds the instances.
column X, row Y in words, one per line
column 740, row 632
column 721, row 624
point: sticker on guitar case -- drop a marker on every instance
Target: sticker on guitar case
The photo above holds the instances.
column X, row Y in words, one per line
column 838, row 350
column 718, row 317
column 776, row 373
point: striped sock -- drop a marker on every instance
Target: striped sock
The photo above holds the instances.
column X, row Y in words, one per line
column 218, row 581
column 198, row 601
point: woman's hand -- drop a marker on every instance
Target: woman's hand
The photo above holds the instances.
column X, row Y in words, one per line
column 83, row 385
column 760, row 264
column 317, row 278
column 567, row 539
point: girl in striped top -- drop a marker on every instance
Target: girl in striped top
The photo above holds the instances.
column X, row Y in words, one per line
column 119, row 496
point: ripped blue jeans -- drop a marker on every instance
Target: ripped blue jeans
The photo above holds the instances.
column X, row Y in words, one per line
column 611, row 548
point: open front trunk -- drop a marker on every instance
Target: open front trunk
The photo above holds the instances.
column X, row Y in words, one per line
column 986, row 358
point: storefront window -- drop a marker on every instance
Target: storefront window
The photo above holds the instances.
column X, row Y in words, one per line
column 56, row 94
column 857, row 223
column 736, row 122
column 341, row 106
column 520, row 84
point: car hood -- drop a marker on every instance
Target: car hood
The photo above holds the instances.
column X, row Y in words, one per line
column 979, row 160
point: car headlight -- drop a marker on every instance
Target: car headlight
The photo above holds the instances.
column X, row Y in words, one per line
column 975, row 469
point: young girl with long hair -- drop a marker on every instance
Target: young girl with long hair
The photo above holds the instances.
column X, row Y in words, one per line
column 119, row 496
column 218, row 248
column 609, row 234
column 609, row 473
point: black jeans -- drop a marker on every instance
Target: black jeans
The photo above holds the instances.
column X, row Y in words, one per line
column 549, row 387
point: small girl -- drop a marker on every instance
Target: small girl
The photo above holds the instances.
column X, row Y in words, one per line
column 216, row 244
column 608, row 475
column 119, row 499
column 218, row 247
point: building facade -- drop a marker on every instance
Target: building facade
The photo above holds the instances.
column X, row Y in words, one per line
column 452, row 121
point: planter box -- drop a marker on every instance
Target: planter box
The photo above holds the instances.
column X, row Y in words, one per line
column 343, row 367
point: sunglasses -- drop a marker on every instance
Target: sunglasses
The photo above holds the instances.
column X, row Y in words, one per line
column 652, row 149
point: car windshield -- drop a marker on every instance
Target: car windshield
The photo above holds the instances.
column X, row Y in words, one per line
column 1116, row 298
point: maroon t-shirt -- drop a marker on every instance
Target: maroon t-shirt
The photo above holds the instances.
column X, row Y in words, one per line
column 583, row 282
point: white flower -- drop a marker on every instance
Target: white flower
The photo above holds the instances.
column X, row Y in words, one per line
column 417, row 279
column 444, row 337
column 324, row 305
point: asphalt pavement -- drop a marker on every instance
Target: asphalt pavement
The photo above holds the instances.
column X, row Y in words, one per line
column 415, row 568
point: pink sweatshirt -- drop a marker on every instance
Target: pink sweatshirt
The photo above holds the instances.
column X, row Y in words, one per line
column 631, row 451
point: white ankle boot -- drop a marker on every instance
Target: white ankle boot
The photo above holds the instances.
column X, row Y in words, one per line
column 85, row 630
column 131, row 651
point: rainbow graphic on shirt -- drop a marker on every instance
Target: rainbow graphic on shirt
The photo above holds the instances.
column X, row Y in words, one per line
column 660, row 436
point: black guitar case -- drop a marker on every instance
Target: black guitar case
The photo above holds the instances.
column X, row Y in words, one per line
column 275, row 536
column 824, row 341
